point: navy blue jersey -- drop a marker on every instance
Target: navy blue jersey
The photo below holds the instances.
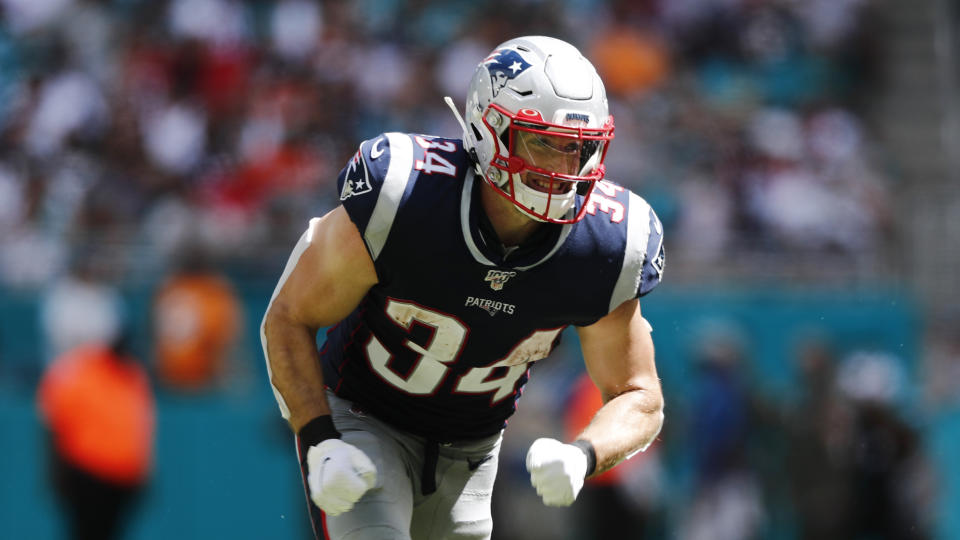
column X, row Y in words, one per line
column 441, row 346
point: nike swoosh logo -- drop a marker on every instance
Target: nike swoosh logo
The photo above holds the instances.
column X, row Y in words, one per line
column 474, row 465
column 376, row 151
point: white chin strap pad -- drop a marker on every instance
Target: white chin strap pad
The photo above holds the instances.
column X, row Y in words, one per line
column 537, row 200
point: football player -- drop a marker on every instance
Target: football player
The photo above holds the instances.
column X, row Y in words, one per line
column 450, row 267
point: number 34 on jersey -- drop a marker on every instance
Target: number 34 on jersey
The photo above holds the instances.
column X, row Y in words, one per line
column 435, row 361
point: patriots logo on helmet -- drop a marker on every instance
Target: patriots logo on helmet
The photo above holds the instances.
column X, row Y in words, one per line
column 503, row 65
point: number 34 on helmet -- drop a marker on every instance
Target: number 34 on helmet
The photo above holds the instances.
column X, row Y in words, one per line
column 538, row 126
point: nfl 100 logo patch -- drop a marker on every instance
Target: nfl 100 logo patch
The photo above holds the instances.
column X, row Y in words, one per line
column 498, row 278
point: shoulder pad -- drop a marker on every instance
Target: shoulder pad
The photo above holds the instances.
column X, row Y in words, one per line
column 644, row 257
column 372, row 185
column 655, row 257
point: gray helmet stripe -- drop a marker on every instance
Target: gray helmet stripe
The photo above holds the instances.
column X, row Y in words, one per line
column 465, row 198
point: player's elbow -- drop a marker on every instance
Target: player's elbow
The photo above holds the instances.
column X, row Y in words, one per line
column 648, row 386
column 655, row 405
column 646, row 408
column 277, row 318
column 643, row 400
column 659, row 415
column 651, row 405
column 269, row 322
column 649, row 400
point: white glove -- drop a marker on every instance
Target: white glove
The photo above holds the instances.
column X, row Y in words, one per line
column 339, row 474
column 557, row 470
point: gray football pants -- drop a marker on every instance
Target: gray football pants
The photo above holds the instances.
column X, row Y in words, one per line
column 397, row 508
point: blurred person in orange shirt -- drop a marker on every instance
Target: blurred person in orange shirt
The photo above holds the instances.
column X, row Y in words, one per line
column 620, row 502
column 631, row 60
column 196, row 321
column 97, row 402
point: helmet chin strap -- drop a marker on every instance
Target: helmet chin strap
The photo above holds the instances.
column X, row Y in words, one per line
column 518, row 185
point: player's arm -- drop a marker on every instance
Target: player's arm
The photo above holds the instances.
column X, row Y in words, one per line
column 619, row 357
column 319, row 288
column 327, row 275
column 618, row 353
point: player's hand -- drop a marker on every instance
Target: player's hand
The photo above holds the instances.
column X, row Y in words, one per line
column 338, row 475
column 557, row 471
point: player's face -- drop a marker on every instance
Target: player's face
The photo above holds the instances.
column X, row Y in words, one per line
column 550, row 152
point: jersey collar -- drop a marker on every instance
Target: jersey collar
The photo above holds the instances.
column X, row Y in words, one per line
column 486, row 248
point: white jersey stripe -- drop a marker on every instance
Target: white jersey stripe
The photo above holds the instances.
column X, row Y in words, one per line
column 638, row 234
column 465, row 198
column 465, row 201
column 394, row 184
column 298, row 250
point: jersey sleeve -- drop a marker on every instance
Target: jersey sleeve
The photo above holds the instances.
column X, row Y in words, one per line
column 654, row 258
column 644, row 255
column 372, row 185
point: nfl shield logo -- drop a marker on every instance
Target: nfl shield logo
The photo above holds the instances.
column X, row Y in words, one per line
column 498, row 278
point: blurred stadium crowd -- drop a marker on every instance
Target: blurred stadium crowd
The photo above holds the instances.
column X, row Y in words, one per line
column 141, row 136
column 140, row 126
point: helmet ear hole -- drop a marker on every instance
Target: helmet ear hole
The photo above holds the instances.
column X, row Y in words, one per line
column 476, row 132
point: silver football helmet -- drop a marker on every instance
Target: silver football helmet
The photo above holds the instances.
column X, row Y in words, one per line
column 538, row 126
